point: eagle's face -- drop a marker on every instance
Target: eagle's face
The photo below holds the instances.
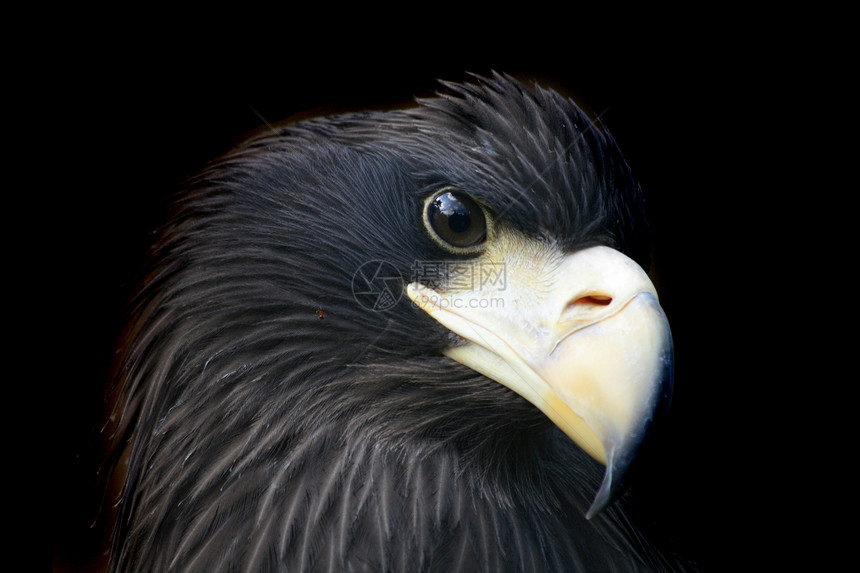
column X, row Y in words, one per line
column 514, row 223
column 370, row 278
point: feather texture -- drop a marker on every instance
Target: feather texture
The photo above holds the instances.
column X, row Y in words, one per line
column 262, row 438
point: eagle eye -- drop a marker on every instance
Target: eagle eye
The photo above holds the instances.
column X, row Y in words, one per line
column 456, row 220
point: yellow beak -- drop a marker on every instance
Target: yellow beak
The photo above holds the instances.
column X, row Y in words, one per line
column 580, row 336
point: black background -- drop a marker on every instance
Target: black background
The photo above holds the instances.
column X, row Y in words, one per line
column 115, row 120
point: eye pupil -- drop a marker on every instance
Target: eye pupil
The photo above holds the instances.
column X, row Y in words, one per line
column 457, row 219
column 459, row 222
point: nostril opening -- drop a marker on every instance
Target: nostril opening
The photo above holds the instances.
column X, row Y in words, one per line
column 593, row 300
column 586, row 307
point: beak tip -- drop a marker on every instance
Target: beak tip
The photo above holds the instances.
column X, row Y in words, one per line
column 595, row 509
column 622, row 459
column 609, row 491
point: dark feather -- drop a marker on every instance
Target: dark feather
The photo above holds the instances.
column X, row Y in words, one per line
column 263, row 438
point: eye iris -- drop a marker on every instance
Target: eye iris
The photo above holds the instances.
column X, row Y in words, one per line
column 457, row 219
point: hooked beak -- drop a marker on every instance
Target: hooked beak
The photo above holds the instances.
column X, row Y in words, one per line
column 584, row 339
